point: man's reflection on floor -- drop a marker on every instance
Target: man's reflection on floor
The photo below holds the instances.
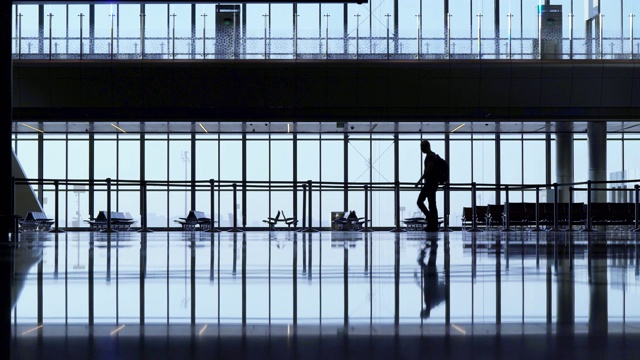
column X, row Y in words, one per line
column 433, row 286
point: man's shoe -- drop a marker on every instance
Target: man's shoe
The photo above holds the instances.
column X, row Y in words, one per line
column 428, row 229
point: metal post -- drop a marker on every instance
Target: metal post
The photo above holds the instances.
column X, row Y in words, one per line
column 19, row 35
column 265, row 16
column 588, row 226
column 631, row 16
column 419, row 37
column 366, row 210
column 479, row 16
column 304, row 208
column 295, row 35
column 570, row 36
column 635, row 208
column 212, row 194
column 81, row 15
column 109, row 228
column 309, row 195
column 173, row 36
column 142, row 31
column 509, row 17
column 144, row 228
column 388, row 15
column 56, row 229
column 600, row 41
column 449, row 36
column 474, row 212
column 447, row 207
column 50, row 38
column 357, row 35
column 555, row 206
column 204, row 35
column 505, row 211
column 235, row 209
column 396, row 202
column 326, row 46
column 539, row 33
column 111, row 43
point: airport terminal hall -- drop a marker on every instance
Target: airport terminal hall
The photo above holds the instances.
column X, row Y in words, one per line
column 353, row 179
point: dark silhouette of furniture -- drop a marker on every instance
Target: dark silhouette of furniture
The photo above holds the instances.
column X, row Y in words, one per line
column 273, row 221
column 119, row 221
column 349, row 221
column 289, row 221
column 35, row 221
column 280, row 218
column 195, row 220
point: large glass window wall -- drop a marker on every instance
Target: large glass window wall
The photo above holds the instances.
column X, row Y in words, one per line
column 505, row 29
column 188, row 172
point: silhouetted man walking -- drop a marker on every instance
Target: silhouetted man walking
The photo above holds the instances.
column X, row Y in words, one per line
column 429, row 187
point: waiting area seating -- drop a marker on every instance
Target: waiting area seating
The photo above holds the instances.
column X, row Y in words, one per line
column 280, row 218
column 348, row 221
column 195, row 220
column 119, row 221
column 35, row 221
column 617, row 215
column 526, row 215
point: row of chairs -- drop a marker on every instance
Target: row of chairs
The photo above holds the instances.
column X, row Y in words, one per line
column 195, row 220
column 121, row 221
column 523, row 215
column 348, row 221
column 35, row 221
column 280, row 218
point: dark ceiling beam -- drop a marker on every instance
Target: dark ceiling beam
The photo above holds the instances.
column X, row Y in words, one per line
column 187, row 2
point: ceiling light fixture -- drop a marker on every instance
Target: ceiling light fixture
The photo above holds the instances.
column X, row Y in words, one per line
column 459, row 126
column 119, row 128
column 203, row 128
column 33, row 128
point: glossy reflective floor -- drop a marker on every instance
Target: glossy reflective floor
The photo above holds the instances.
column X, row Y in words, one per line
column 287, row 294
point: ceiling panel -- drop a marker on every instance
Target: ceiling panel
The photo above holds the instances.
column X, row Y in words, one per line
column 313, row 127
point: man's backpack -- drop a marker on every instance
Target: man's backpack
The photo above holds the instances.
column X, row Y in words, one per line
column 442, row 170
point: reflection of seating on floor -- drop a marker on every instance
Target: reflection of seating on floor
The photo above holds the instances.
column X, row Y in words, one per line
column 195, row 220
column 289, row 221
column 119, row 221
column 35, row 221
column 343, row 221
column 418, row 223
column 272, row 221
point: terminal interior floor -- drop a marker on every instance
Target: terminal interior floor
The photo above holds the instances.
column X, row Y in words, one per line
column 339, row 295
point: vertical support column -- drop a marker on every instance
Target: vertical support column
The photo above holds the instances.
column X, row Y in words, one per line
column 143, row 202
column 396, row 181
column 56, row 229
column 6, row 182
column 597, row 143
column 244, row 177
column 212, row 194
column 345, row 172
column 108, row 227
column 310, row 207
column 234, row 225
column 366, row 210
column 564, row 159
column 447, row 185
column 92, row 28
